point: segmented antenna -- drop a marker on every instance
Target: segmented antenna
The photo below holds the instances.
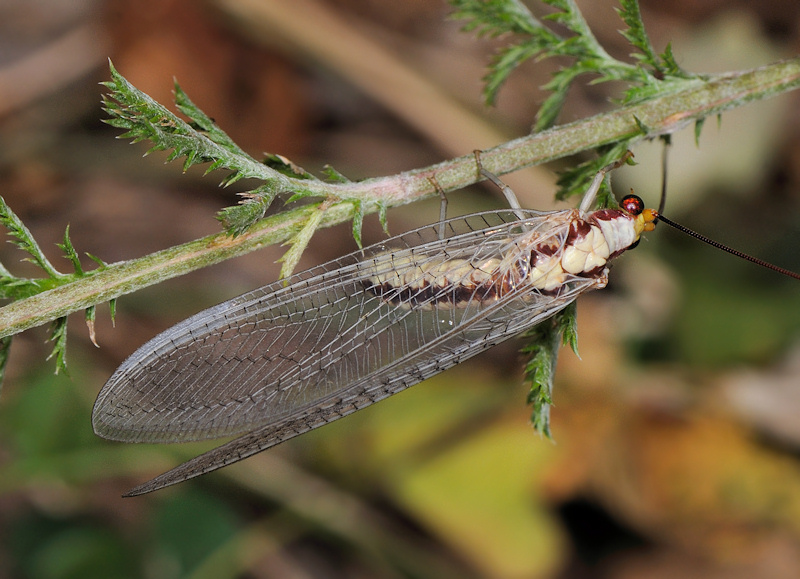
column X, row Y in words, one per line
column 736, row 252
column 700, row 236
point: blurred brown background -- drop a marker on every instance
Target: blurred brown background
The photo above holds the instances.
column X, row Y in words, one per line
column 676, row 433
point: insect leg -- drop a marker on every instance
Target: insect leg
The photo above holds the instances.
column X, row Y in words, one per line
column 594, row 187
column 442, row 207
column 508, row 193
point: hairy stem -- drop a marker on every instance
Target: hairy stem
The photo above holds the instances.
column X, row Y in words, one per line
column 661, row 115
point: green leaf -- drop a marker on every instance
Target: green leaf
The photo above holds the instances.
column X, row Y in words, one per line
column 22, row 238
column 200, row 141
column 333, row 176
column 299, row 194
column 552, row 105
column 531, row 38
column 58, row 335
column 382, row 217
column 698, row 129
column 542, row 353
column 670, row 65
column 204, row 123
column 286, row 167
column 16, row 288
column 102, row 264
column 570, row 16
column 567, row 321
column 238, row 218
column 544, row 341
column 504, row 63
column 636, row 35
column 300, row 241
column 576, row 180
column 495, row 17
column 358, row 220
column 504, row 17
column 70, row 253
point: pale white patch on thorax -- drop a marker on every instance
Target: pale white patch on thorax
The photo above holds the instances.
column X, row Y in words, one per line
column 620, row 232
column 592, row 242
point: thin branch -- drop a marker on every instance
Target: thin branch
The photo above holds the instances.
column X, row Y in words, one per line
column 658, row 116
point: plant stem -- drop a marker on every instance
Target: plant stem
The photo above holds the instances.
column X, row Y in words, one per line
column 661, row 115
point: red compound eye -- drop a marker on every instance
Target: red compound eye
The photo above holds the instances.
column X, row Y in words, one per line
column 632, row 204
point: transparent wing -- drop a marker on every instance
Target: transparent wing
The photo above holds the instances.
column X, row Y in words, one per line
column 297, row 354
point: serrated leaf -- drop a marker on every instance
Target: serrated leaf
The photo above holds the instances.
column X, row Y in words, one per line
column 533, row 39
column 23, row 238
column 671, row 65
column 542, row 345
column 567, row 321
column 636, row 34
column 199, row 142
column 495, row 17
column 97, row 260
column 358, row 220
column 4, row 273
column 300, row 241
column 70, row 253
column 643, row 129
column 333, row 176
column 382, row 217
column 298, row 195
column 15, row 288
column 286, row 167
column 552, row 105
column 505, row 62
column 239, row 218
column 698, row 129
column 58, row 335
column 545, row 339
column 230, row 179
column 575, row 180
column 204, row 123
column 569, row 16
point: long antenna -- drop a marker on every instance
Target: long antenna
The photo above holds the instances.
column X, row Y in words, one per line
column 730, row 250
column 700, row 236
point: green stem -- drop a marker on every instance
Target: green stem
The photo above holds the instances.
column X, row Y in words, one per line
column 665, row 114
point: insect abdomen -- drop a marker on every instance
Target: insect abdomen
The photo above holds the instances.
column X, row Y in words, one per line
column 531, row 261
column 440, row 281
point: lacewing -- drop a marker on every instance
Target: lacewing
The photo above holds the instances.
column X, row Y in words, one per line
column 302, row 352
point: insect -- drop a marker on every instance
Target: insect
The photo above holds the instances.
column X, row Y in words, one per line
column 299, row 353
